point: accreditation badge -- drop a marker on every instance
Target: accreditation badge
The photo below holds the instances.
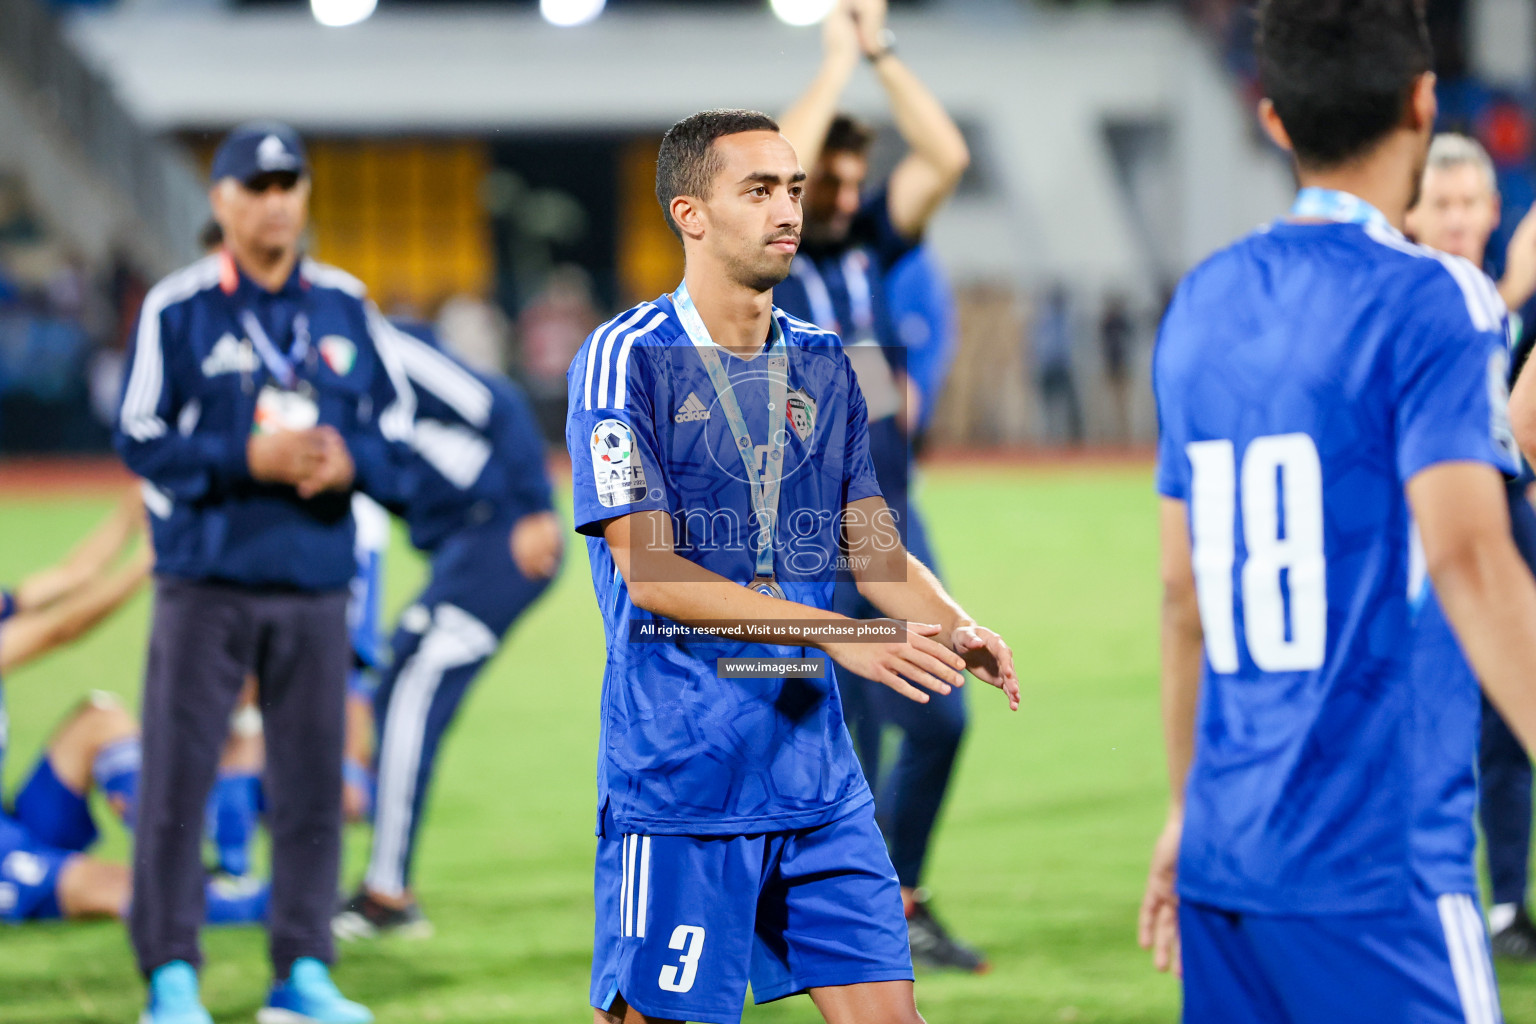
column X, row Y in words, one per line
column 281, row 409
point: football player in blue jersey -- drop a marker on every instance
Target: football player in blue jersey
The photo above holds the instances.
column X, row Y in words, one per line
column 1457, row 212
column 1328, row 391
column 722, row 477
column 46, row 868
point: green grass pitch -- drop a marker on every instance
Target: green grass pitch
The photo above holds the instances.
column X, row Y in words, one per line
column 1039, row 858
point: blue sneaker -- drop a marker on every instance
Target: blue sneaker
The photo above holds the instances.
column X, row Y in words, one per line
column 310, row 997
column 173, row 996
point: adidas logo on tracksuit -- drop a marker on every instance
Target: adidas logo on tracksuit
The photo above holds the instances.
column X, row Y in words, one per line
column 692, row 411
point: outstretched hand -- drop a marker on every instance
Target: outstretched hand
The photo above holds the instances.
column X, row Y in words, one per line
column 989, row 659
column 919, row 659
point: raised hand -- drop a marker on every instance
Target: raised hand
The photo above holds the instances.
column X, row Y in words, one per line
column 839, row 34
column 869, row 16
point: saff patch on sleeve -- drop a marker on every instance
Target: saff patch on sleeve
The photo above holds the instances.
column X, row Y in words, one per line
column 616, row 466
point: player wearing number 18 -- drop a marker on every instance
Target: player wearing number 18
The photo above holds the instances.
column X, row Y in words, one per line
column 1323, row 386
column 737, row 838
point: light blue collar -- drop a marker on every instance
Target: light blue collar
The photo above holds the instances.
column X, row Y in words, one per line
column 1331, row 204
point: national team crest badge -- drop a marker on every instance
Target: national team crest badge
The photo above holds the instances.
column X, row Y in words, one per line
column 339, row 354
column 802, row 414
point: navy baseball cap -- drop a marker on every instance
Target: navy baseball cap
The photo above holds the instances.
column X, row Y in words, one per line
column 259, row 147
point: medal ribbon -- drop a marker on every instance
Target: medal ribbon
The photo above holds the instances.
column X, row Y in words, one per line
column 765, row 491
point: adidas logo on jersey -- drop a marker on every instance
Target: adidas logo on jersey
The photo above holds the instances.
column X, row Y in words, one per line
column 230, row 356
column 692, row 411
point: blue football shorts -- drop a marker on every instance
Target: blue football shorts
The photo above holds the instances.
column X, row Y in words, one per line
column 1425, row 964
column 48, row 825
column 685, row 922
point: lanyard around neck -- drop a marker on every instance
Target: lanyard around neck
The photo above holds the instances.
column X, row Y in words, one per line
column 765, row 490
column 283, row 368
column 1343, row 207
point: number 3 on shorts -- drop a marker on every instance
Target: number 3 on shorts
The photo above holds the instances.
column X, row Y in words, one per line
column 679, row 977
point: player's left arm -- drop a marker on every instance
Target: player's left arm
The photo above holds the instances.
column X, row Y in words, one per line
column 937, row 154
column 894, row 581
column 1183, row 642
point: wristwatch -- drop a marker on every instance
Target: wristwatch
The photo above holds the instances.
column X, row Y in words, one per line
column 885, row 46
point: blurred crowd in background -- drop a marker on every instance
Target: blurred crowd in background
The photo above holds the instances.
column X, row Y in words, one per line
column 535, row 240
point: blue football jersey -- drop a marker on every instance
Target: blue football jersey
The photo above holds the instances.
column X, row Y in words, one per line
column 682, row 750
column 1303, row 377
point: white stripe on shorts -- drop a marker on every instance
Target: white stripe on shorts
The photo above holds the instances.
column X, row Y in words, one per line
column 1470, row 965
column 643, row 902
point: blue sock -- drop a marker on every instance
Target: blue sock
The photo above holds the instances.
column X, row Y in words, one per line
column 116, row 771
column 232, row 814
column 236, row 900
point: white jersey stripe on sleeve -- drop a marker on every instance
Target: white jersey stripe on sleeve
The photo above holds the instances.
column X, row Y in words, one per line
column 595, row 349
column 1484, row 305
column 146, row 378
column 621, row 385
column 603, row 400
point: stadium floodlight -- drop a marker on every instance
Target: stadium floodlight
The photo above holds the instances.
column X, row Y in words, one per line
column 802, row 12
column 567, row 13
column 339, row 13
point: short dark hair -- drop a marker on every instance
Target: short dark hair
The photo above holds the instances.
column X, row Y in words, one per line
column 1340, row 73
column 847, row 134
column 687, row 163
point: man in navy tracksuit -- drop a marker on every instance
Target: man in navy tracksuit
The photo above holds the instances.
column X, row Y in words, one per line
column 261, row 392
column 481, row 510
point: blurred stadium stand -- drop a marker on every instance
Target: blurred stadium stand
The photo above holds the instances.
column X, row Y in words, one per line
column 475, row 162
